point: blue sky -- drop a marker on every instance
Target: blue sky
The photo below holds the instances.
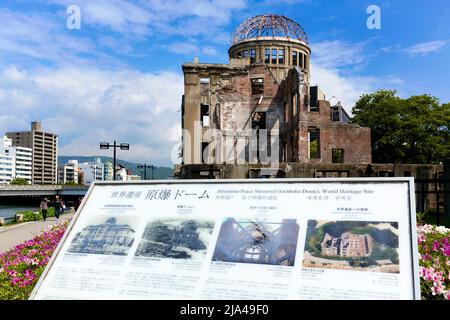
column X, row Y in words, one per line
column 119, row 76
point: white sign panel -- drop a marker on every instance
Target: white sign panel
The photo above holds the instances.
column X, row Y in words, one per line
column 249, row 239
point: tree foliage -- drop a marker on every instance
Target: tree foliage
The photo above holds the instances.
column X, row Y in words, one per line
column 412, row 130
column 19, row 181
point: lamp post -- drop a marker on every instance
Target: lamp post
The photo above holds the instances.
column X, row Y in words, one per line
column 122, row 146
column 145, row 166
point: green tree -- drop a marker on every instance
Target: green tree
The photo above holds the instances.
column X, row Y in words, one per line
column 412, row 130
column 19, row 181
column 71, row 183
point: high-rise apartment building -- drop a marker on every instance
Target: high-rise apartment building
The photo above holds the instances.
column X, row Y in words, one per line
column 44, row 147
column 15, row 162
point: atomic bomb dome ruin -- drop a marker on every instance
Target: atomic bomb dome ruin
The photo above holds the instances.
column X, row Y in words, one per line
column 259, row 116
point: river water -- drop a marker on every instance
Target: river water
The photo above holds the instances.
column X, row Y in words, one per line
column 7, row 211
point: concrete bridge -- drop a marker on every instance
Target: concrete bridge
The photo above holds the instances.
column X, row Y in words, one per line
column 42, row 190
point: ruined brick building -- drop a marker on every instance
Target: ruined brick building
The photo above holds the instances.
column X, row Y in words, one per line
column 259, row 116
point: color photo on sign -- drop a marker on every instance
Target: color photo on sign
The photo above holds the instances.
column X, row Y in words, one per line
column 257, row 241
column 352, row 245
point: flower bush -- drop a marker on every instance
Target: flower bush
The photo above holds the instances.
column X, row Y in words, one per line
column 21, row 266
column 434, row 261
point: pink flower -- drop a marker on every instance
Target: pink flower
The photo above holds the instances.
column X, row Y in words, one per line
column 426, row 257
column 435, row 245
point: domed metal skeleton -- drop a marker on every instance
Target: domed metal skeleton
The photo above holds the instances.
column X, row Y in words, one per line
column 271, row 25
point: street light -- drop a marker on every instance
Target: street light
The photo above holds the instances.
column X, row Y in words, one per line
column 122, row 146
column 145, row 166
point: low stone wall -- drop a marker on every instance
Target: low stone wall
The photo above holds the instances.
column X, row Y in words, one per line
column 306, row 170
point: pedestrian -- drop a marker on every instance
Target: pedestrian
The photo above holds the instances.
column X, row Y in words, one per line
column 78, row 203
column 58, row 207
column 44, row 208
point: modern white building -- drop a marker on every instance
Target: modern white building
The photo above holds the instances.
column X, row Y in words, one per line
column 109, row 172
column 92, row 171
column 15, row 162
column 6, row 168
column 68, row 172
column 121, row 174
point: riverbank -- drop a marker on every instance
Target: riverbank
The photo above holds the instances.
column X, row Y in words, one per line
column 13, row 235
column 9, row 211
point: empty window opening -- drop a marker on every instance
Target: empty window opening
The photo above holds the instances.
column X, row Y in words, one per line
column 245, row 53
column 205, row 152
column 259, row 120
column 337, row 155
column 294, row 58
column 314, row 143
column 267, row 56
column 257, row 86
column 335, row 114
column 274, row 56
column 204, row 84
column 252, row 56
column 295, row 104
column 314, row 103
column 280, row 56
column 239, row 54
column 204, row 115
column 385, row 174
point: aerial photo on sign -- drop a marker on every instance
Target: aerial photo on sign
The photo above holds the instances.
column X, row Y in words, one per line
column 352, row 245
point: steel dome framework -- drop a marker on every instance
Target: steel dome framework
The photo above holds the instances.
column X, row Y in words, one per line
column 270, row 25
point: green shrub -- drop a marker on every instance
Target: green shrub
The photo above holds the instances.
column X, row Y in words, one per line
column 31, row 216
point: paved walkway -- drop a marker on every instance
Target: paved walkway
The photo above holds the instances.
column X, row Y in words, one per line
column 11, row 236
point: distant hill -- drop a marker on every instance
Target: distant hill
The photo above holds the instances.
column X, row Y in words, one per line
column 160, row 173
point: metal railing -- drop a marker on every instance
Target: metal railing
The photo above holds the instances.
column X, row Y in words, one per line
column 432, row 195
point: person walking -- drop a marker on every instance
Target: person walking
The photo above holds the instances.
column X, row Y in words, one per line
column 78, row 203
column 44, row 208
column 58, row 207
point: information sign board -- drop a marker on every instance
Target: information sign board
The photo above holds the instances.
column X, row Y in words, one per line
column 352, row 238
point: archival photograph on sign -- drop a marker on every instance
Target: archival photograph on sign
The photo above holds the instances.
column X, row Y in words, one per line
column 257, row 241
column 176, row 238
column 352, row 245
column 111, row 236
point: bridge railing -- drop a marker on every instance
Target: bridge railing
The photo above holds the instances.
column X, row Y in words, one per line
column 11, row 187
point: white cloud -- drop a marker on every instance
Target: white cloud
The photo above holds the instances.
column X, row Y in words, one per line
column 424, row 48
column 336, row 53
column 86, row 105
column 186, row 48
column 209, row 51
column 183, row 48
column 37, row 37
column 141, row 17
column 347, row 89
